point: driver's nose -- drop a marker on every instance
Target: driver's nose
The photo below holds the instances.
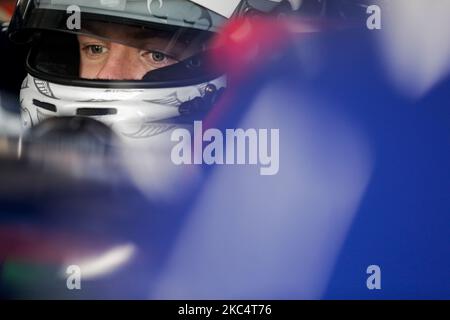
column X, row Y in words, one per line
column 122, row 63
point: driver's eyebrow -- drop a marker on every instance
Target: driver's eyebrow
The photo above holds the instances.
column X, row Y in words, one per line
column 159, row 41
column 88, row 38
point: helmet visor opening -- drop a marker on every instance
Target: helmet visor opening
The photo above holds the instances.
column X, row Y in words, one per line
column 111, row 52
column 114, row 51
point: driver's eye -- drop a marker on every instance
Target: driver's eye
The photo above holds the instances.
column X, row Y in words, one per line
column 158, row 59
column 94, row 50
column 158, row 56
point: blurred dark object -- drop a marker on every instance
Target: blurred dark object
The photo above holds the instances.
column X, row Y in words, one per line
column 81, row 134
column 12, row 72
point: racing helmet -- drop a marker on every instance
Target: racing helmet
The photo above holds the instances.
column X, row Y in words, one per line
column 162, row 84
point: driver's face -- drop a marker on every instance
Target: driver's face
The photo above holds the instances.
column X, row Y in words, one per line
column 116, row 60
